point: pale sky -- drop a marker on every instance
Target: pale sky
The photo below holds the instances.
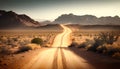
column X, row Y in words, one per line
column 51, row 9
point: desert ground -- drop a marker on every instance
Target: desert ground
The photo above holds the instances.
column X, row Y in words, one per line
column 57, row 51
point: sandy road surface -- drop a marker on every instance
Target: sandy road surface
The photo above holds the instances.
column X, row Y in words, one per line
column 63, row 39
column 58, row 57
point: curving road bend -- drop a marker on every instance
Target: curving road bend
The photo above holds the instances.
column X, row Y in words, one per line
column 63, row 39
column 58, row 57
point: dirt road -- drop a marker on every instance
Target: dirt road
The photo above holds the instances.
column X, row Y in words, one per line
column 58, row 57
column 63, row 39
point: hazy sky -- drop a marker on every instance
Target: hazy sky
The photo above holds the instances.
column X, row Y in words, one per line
column 51, row 9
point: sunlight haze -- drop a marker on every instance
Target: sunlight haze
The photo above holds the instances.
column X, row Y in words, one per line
column 51, row 9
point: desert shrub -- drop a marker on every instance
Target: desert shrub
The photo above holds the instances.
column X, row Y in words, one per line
column 37, row 41
column 86, row 44
column 4, row 50
column 82, row 45
column 108, row 49
column 15, row 39
column 73, row 44
column 116, row 55
column 108, row 38
column 101, row 49
column 103, row 38
column 111, row 52
column 24, row 48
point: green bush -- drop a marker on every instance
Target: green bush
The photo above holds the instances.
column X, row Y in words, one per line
column 37, row 41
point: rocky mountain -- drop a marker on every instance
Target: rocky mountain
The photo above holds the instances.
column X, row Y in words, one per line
column 54, row 27
column 87, row 20
column 9, row 19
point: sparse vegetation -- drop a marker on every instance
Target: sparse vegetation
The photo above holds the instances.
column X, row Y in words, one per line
column 105, row 42
column 103, row 38
column 14, row 41
column 4, row 50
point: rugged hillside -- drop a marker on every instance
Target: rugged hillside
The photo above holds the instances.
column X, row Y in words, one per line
column 9, row 19
column 50, row 27
column 87, row 20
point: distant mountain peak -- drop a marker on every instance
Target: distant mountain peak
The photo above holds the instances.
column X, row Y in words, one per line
column 10, row 19
column 87, row 19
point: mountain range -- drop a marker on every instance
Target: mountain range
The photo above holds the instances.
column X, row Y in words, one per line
column 12, row 20
column 9, row 19
column 88, row 20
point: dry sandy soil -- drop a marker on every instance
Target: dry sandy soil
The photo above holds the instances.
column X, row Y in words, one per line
column 58, row 57
column 72, row 58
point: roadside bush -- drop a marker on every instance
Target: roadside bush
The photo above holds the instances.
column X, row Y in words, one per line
column 82, row 45
column 73, row 44
column 101, row 49
column 116, row 55
column 87, row 44
column 103, row 38
column 105, row 43
column 108, row 38
column 37, row 41
column 24, row 48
